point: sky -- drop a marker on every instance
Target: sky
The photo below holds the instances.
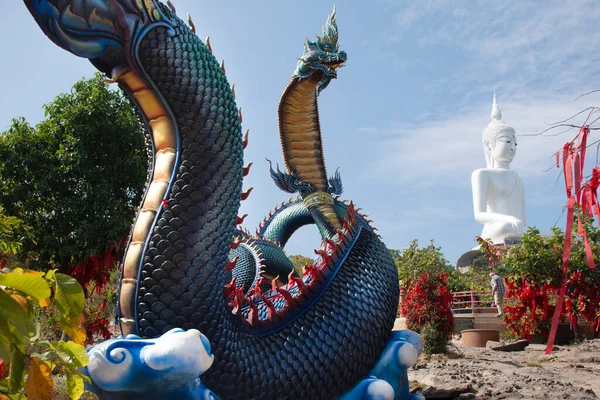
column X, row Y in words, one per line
column 404, row 119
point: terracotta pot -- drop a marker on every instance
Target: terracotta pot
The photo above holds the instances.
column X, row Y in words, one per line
column 478, row 337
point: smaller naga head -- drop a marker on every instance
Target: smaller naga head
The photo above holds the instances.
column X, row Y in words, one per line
column 105, row 32
column 322, row 56
column 289, row 183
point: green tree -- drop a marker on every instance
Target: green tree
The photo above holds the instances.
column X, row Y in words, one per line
column 414, row 261
column 12, row 232
column 299, row 262
column 76, row 177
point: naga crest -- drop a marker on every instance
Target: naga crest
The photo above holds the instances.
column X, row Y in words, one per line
column 323, row 55
column 105, row 32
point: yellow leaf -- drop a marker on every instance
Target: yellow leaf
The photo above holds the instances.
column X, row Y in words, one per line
column 21, row 300
column 75, row 386
column 74, row 328
column 72, row 353
column 69, row 296
column 32, row 284
column 40, row 385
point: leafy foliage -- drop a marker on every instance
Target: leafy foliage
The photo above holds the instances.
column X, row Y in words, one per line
column 12, row 233
column 477, row 278
column 413, row 261
column 32, row 359
column 428, row 310
column 76, row 177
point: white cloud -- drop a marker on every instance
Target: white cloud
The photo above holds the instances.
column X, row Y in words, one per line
column 445, row 152
column 407, row 16
column 514, row 44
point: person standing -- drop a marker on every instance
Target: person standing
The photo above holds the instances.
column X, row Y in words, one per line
column 498, row 291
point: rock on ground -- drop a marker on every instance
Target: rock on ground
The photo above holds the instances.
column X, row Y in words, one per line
column 570, row 372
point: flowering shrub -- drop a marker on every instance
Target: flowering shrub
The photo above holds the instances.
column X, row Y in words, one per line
column 99, row 278
column 529, row 307
column 428, row 310
column 534, row 285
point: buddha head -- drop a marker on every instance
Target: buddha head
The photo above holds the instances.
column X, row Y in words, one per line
column 499, row 140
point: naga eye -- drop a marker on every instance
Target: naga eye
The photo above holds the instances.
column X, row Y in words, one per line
column 327, row 47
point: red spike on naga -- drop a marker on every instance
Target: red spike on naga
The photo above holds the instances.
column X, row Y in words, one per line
column 223, row 69
column 240, row 114
column 290, row 301
column 235, row 244
column 256, row 291
column 233, row 90
column 171, row 6
column 231, row 264
column 207, row 41
column 275, row 283
column 253, row 314
column 246, row 169
column 191, row 23
column 298, row 281
column 322, row 253
column 240, row 220
column 238, row 301
column 229, row 289
column 245, row 139
column 314, row 272
column 346, row 224
column 333, row 245
column 341, row 237
column 272, row 313
column 245, row 194
column 351, row 212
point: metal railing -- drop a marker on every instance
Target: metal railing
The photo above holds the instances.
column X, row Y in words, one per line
column 470, row 302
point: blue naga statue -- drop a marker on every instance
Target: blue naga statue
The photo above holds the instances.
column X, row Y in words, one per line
column 200, row 295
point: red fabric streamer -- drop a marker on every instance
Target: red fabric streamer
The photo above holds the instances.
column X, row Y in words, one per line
column 585, row 197
column 589, row 200
column 566, row 255
column 567, row 169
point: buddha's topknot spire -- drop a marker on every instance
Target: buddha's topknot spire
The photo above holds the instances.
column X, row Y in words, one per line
column 496, row 114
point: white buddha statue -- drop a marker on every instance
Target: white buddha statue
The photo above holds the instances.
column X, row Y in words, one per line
column 498, row 195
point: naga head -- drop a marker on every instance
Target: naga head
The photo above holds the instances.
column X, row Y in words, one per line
column 324, row 55
column 105, row 32
column 290, row 183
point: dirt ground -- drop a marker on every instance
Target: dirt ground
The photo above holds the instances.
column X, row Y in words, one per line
column 570, row 372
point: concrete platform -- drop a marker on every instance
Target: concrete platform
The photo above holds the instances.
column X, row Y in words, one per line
column 481, row 321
